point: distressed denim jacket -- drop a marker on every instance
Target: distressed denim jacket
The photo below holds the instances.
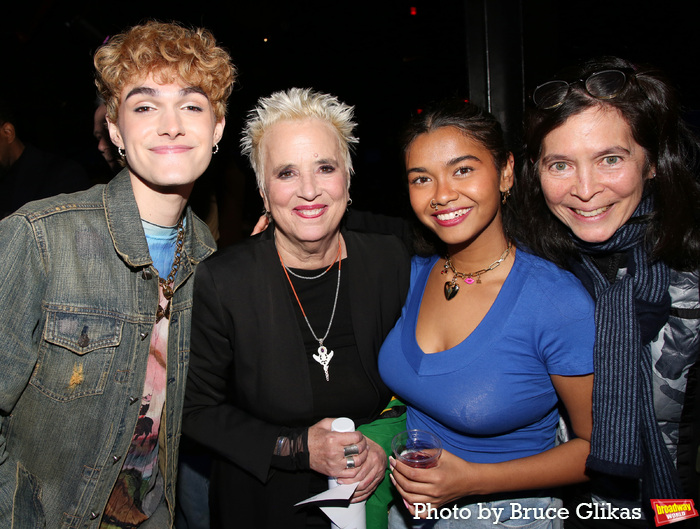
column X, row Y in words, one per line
column 78, row 299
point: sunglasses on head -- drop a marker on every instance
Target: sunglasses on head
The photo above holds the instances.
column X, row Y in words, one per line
column 605, row 84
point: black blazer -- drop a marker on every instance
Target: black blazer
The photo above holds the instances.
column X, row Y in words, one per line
column 248, row 373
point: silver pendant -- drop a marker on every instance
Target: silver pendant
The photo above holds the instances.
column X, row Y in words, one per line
column 324, row 358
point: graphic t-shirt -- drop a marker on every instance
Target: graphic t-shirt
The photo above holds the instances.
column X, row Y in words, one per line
column 139, row 487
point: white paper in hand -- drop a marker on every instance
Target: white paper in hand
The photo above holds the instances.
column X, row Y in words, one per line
column 349, row 517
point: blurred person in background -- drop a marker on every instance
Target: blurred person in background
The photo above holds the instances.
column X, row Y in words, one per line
column 104, row 143
column 28, row 173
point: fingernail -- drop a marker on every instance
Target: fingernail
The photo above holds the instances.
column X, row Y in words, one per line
column 392, row 461
column 408, row 505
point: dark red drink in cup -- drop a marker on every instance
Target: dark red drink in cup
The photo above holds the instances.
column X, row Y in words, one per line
column 418, row 459
column 417, row 448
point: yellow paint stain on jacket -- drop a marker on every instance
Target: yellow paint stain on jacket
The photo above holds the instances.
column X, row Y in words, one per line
column 77, row 377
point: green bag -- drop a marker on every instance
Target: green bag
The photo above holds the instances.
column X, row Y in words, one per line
column 391, row 421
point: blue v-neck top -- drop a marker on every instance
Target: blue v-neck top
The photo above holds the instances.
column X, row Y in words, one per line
column 491, row 398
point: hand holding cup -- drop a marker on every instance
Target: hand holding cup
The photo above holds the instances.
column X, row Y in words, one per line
column 417, row 448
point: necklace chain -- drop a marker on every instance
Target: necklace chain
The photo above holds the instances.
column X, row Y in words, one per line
column 324, row 356
column 167, row 283
column 309, row 277
column 451, row 286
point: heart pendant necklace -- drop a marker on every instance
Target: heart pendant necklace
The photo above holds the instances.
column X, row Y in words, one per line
column 324, row 356
column 451, row 286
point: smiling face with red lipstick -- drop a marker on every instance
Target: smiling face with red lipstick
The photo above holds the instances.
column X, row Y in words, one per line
column 455, row 187
column 167, row 132
column 305, row 183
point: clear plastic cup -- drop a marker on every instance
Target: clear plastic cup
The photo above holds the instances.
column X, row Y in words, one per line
column 417, row 448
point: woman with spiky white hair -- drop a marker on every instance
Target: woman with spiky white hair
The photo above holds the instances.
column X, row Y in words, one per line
column 288, row 324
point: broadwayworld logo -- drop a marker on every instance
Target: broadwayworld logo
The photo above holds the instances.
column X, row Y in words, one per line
column 669, row 511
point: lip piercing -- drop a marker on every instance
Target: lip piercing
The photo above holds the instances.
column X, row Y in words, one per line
column 434, row 205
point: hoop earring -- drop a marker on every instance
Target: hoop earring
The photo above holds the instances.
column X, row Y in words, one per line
column 349, row 202
column 504, row 195
column 215, row 149
column 434, row 205
column 121, row 152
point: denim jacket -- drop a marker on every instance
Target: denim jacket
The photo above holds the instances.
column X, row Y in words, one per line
column 78, row 296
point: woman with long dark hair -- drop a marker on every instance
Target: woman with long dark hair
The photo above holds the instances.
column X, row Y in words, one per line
column 609, row 190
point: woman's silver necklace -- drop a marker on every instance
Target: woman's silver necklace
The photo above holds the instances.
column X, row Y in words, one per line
column 324, row 356
column 309, row 277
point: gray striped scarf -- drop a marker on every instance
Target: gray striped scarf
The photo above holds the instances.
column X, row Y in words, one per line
column 626, row 440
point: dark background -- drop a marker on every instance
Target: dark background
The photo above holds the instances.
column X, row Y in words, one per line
column 375, row 55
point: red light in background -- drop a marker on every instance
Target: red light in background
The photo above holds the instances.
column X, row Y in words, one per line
column 414, row 11
column 419, row 111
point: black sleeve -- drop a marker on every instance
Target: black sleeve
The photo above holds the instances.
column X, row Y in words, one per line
column 209, row 416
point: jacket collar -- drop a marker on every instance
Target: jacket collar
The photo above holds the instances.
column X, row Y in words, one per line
column 124, row 223
column 199, row 243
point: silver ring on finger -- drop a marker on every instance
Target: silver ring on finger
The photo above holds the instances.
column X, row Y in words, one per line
column 350, row 450
column 349, row 462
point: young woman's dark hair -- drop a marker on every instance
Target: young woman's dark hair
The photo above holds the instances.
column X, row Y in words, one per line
column 647, row 102
column 476, row 124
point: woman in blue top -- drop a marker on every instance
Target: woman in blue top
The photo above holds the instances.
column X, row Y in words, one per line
column 490, row 342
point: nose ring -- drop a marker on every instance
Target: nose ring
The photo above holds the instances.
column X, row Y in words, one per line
column 434, row 205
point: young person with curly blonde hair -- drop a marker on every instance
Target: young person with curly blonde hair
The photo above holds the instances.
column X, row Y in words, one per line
column 97, row 290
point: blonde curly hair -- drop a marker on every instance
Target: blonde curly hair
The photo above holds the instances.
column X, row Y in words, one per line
column 171, row 53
